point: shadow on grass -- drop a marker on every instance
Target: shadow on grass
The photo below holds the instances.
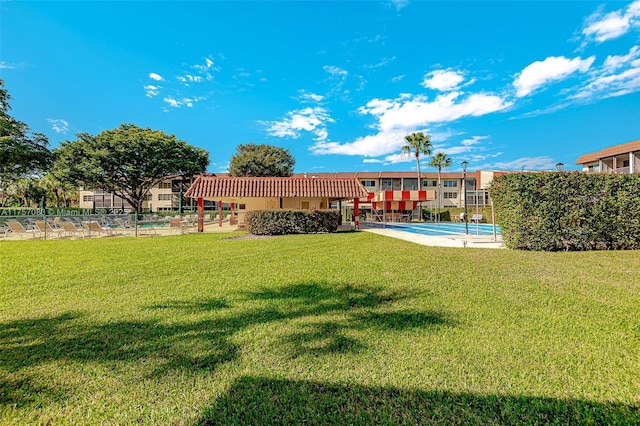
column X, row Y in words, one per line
column 327, row 315
column 359, row 308
column 259, row 400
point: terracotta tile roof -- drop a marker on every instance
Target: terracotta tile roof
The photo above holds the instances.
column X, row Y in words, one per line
column 216, row 188
column 609, row 152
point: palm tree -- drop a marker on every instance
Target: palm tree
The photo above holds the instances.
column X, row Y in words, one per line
column 440, row 160
column 418, row 143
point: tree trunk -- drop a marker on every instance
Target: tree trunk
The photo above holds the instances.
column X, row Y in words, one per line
column 419, row 202
column 439, row 193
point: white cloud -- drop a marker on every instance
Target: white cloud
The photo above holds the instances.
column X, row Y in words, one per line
column 188, row 78
column 399, row 4
column 397, row 78
column 399, row 117
column 178, row 103
column 370, row 146
column 443, row 80
column 172, row 102
column 309, row 97
column 307, row 119
column 58, row 125
column 6, row 65
column 614, row 62
column 521, row 164
column 553, row 68
column 381, row 63
column 156, row 77
column 612, row 25
column 400, row 158
column 333, row 70
column 619, row 75
column 412, row 112
column 152, row 90
column 466, row 145
column 372, row 161
column 606, row 86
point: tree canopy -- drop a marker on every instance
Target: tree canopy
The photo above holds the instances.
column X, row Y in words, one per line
column 23, row 153
column 261, row 160
column 127, row 161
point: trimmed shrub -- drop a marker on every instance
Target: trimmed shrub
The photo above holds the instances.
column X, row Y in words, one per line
column 280, row 222
column 568, row 211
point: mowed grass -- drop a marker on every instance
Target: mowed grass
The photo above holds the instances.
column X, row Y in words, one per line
column 349, row 328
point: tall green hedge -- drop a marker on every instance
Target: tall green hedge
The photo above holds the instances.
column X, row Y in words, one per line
column 568, row 211
column 280, row 222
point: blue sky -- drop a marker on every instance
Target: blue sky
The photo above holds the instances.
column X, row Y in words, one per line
column 505, row 85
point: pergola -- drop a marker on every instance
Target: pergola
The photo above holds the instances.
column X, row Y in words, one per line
column 275, row 192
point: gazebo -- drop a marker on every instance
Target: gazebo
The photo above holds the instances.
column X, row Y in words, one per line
column 274, row 193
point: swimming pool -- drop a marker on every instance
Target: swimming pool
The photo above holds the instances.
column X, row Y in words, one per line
column 438, row 229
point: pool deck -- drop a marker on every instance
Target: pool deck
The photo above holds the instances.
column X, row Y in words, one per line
column 460, row 241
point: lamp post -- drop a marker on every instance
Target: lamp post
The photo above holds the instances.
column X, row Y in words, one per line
column 464, row 189
column 559, row 166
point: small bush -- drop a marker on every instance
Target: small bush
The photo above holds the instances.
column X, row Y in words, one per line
column 568, row 211
column 281, row 222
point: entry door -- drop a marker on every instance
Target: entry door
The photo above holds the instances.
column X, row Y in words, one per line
column 304, row 205
column 272, row 203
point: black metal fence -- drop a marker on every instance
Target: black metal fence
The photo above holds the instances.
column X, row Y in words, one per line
column 88, row 223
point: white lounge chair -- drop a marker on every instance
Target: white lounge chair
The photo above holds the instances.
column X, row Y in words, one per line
column 17, row 228
column 46, row 229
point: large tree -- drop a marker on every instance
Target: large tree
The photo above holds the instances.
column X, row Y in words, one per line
column 23, row 153
column 440, row 161
column 261, row 160
column 127, row 161
column 417, row 144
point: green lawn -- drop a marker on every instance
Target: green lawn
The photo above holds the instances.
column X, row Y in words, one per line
column 348, row 328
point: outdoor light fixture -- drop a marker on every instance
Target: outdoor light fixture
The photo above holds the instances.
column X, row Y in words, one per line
column 559, row 166
column 464, row 189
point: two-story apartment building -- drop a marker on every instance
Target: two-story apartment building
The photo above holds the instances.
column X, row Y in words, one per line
column 168, row 195
column 623, row 158
column 451, row 194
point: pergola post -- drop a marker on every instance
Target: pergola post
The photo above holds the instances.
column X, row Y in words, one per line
column 220, row 213
column 356, row 212
column 200, row 214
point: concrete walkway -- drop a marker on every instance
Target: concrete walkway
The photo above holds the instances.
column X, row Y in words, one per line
column 472, row 241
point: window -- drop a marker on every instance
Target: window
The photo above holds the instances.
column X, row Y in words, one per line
column 368, row 183
column 164, row 185
column 450, row 183
column 429, row 183
column 164, row 197
column 147, row 197
column 594, row 167
column 242, row 206
column 450, row 195
column 86, row 198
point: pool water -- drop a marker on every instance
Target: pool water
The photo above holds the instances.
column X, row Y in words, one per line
column 440, row 229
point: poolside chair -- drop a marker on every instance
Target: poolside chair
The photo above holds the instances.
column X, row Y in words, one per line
column 177, row 225
column 70, row 228
column 46, row 229
column 17, row 228
column 92, row 227
column 477, row 218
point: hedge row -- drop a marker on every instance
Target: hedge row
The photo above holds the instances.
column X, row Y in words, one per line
column 280, row 222
column 568, row 211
